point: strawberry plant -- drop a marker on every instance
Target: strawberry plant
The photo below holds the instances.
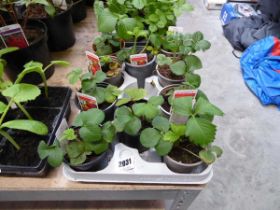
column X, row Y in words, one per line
column 184, row 62
column 124, row 15
column 87, row 137
column 89, row 85
column 198, row 130
column 129, row 119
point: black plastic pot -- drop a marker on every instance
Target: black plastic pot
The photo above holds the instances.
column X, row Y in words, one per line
column 116, row 81
column 37, row 51
column 60, row 31
column 78, row 10
column 164, row 81
column 141, row 72
column 95, row 163
column 140, row 43
column 89, row 3
column 26, row 161
column 108, row 109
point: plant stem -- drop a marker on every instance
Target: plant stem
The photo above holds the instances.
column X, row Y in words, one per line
column 190, row 152
column 143, row 50
column 37, row 70
column 10, row 139
column 24, row 111
column 6, row 111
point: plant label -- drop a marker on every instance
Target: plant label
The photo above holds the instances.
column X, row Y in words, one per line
column 13, row 36
column 126, row 160
column 176, row 29
column 86, row 101
column 93, row 62
column 178, row 119
column 62, row 4
column 139, row 59
column 62, row 127
column 2, row 43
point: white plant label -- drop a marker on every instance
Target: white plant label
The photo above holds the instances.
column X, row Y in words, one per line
column 175, row 118
column 139, row 59
column 176, row 29
column 62, row 127
column 126, row 160
column 86, row 101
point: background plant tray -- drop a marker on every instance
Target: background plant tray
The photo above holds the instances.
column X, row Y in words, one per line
column 61, row 107
column 126, row 166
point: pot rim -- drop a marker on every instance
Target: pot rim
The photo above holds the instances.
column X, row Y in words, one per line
column 166, row 87
column 182, row 164
column 170, row 80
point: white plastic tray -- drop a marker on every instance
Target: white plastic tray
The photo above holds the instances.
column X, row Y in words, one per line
column 137, row 171
column 127, row 166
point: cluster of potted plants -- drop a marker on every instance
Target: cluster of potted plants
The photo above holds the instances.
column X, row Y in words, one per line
column 136, row 27
column 180, row 129
column 44, row 25
column 28, row 114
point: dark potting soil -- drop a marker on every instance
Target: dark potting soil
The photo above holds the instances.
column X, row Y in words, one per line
column 27, row 155
column 33, row 34
column 180, row 155
column 165, row 105
column 56, row 97
column 104, row 105
column 166, row 72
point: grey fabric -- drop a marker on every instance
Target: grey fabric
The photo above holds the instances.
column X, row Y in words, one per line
column 242, row 32
column 271, row 8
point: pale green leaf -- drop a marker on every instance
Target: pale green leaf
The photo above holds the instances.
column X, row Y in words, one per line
column 149, row 137
column 106, row 21
column 203, row 106
column 161, row 123
column 133, row 126
column 90, row 117
column 2, row 107
column 171, row 136
column 163, row 147
column 32, row 126
column 178, row 68
column 200, row 131
column 91, row 133
column 193, row 62
column 22, row 92
column 207, row 156
column 53, row 153
column 139, row 4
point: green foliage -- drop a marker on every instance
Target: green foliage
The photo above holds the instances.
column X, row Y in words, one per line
column 88, row 137
column 90, row 85
column 184, row 62
column 148, row 110
column 132, row 95
column 135, row 33
column 32, row 126
column 153, row 14
column 154, row 137
column 126, row 121
column 106, row 43
column 49, row 7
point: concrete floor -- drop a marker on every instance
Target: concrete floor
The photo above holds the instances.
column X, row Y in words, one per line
column 248, row 174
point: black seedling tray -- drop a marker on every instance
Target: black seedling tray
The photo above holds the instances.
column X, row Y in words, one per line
column 26, row 161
